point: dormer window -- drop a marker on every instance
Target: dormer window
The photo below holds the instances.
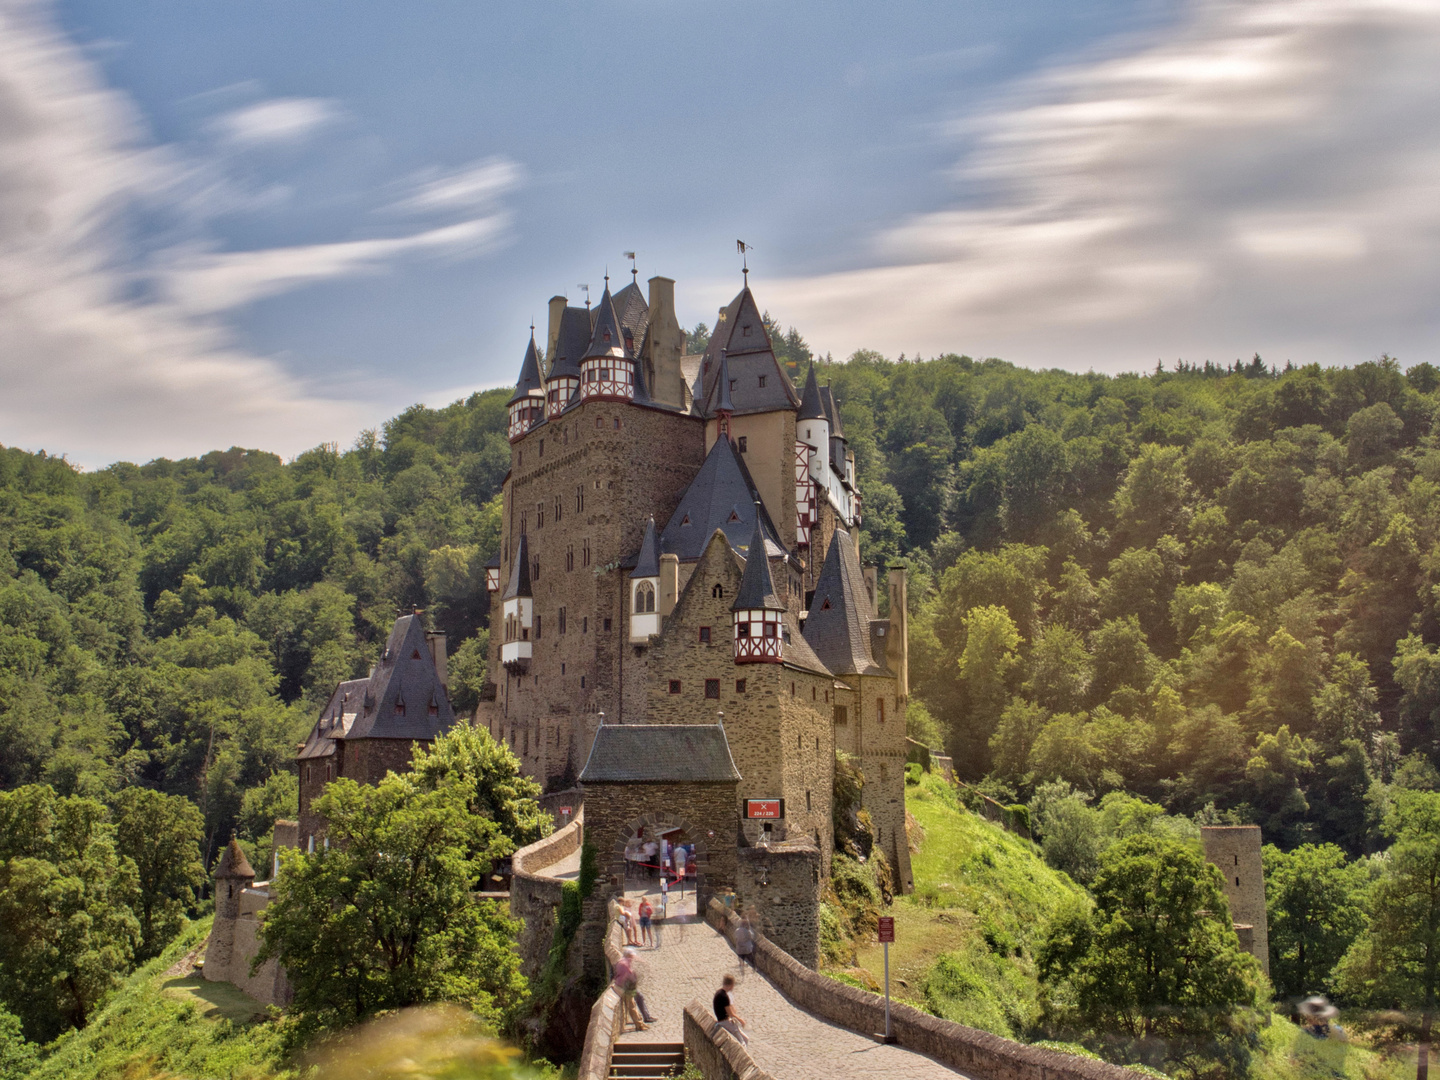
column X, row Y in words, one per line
column 644, row 598
column 399, row 706
column 762, row 381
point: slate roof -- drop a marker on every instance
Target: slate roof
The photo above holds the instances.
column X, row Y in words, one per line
column 608, row 338
column 660, row 754
column 402, row 690
column 740, row 333
column 723, row 403
column 335, row 719
column 832, row 412
column 838, row 624
column 757, row 588
column 798, row 653
column 570, row 343
column 519, row 584
column 233, row 863
column 722, row 496
column 810, row 406
column 648, row 563
column 633, row 311
column 529, row 382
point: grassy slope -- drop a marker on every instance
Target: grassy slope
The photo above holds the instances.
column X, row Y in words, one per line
column 981, row 894
column 964, row 941
column 160, row 1024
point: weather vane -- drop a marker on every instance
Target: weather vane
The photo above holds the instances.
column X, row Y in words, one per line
column 742, row 248
column 634, row 273
column 582, row 285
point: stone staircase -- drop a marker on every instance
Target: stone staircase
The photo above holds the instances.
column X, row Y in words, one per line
column 647, row 1061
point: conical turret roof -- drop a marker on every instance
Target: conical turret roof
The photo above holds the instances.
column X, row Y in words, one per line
column 838, row 625
column 757, row 588
column 608, row 338
column 519, row 573
column 648, row 564
column 233, row 863
column 570, row 343
column 529, row 383
column 811, row 407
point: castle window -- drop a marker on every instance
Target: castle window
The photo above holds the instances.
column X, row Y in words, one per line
column 562, row 664
column 842, row 714
column 880, row 708
column 712, row 689
column 582, row 682
column 799, row 742
column 644, row 598
column 769, row 629
column 585, row 553
column 807, row 800
column 825, row 604
column 742, row 630
column 539, row 515
column 400, row 706
column 607, row 624
column 718, row 591
column 562, row 630
column 617, row 423
column 685, row 520
column 542, row 442
column 739, row 686
column 674, row 686
column 434, row 708
column 732, row 385
column 817, row 744
column 813, row 693
column 569, row 557
column 559, row 508
column 585, row 624
column 537, row 631
column 704, row 635
column 535, row 569
column 762, row 387
column 792, row 689
column 579, row 498
column 745, row 330
column 598, row 421
column 743, row 444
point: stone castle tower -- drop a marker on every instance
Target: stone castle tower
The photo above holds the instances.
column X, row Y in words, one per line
column 1235, row 851
column 679, row 541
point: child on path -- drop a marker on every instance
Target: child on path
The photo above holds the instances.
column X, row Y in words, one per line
column 725, row 1012
column 647, row 936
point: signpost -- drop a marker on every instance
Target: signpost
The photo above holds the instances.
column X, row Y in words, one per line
column 765, row 809
column 886, row 931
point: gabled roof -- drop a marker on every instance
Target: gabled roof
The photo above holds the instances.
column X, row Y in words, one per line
column 838, row 624
column 798, row 653
column 633, row 311
column 740, row 333
column 335, row 719
column 723, row 403
column 529, row 381
column 233, row 863
column 810, row 405
column 648, row 563
column 570, row 343
column 757, row 588
column 722, row 496
column 608, row 338
column 519, row 584
column 405, row 698
column 660, row 754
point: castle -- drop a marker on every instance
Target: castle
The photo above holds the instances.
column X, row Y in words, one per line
column 680, row 547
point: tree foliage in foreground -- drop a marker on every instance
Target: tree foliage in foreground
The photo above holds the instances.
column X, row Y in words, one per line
column 1154, row 972
column 385, row 917
column 1316, row 904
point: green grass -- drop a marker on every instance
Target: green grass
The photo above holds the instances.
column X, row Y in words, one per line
column 1287, row 1053
column 965, row 939
column 173, row 1026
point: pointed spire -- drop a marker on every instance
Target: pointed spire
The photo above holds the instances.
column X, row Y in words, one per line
column 608, row 338
column 811, row 407
column 233, row 863
column 519, row 572
column 648, row 564
column 529, row 382
column 757, row 588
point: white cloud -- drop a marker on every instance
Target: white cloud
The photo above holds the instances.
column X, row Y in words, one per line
column 277, row 121
column 473, row 187
column 1262, row 175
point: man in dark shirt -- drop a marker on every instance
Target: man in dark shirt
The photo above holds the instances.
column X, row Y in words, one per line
column 725, row 1013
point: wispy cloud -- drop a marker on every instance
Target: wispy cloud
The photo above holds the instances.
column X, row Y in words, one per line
column 1262, row 175
column 470, row 188
column 276, row 121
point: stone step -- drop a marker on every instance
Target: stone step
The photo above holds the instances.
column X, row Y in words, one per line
column 647, row 1061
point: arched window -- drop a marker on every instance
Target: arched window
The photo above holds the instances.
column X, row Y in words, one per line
column 644, row 598
column 718, row 592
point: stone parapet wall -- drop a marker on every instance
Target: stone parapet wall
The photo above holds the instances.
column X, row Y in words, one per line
column 234, row 943
column 715, row 1051
column 607, row 1017
column 535, row 898
column 977, row 1054
column 781, row 884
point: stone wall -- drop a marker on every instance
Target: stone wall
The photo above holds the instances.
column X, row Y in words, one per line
column 977, row 1054
column 874, row 733
column 607, row 1018
column 714, row 1050
column 779, row 888
column 535, row 898
column 234, row 943
column 1235, row 851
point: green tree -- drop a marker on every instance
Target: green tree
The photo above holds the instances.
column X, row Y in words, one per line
column 161, row 834
column 986, row 667
column 1315, row 902
column 17, row 1054
column 65, row 904
column 489, row 775
column 385, row 917
column 1156, row 962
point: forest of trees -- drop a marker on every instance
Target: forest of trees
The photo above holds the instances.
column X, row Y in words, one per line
column 1216, row 590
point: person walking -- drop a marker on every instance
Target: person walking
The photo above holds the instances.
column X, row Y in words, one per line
column 745, row 944
column 725, row 1013
column 626, row 980
column 647, row 912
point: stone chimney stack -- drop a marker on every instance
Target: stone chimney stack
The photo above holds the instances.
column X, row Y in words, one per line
column 872, row 582
column 669, row 583
column 665, row 342
column 557, row 308
column 436, row 640
column 897, row 652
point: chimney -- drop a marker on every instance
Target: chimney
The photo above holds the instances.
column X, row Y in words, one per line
column 872, row 581
column 557, row 308
column 897, row 652
column 665, row 342
column 669, row 583
column 436, row 640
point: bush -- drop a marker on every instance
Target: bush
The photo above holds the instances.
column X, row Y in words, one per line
column 913, row 772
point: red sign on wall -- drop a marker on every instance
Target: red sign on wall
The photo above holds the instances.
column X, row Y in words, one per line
column 772, row 809
column 887, row 928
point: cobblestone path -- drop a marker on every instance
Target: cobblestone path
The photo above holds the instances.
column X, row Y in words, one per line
column 786, row 1041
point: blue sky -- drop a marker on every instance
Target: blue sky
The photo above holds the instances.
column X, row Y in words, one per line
column 275, row 223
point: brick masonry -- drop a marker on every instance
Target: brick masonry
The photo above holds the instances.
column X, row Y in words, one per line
column 779, row 889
